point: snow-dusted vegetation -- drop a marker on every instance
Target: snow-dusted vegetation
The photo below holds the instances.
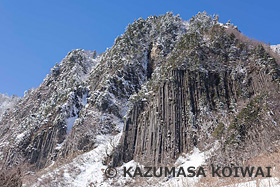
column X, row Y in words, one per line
column 168, row 92
column 7, row 103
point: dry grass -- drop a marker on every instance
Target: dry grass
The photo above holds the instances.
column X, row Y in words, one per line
column 268, row 159
column 263, row 160
column 11, row 177
column 57, row 168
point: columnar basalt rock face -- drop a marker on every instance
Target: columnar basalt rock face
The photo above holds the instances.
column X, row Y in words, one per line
column 209, row 96
column 185, row 112
column 176, row 118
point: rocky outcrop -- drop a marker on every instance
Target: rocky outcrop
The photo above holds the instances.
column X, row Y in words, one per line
column 38, row 123
column 85, row 95
column 174, row 85
column 217, row 91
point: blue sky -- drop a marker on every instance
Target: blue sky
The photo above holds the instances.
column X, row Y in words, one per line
column 34, row 35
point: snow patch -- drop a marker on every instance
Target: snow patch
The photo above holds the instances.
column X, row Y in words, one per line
column 276, row 48
column 70, row 123
column 84, row 99
column 195, row 159
column 19, row 137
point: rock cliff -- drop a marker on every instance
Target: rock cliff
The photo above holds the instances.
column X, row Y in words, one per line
column 213, row 87
column 173, row 86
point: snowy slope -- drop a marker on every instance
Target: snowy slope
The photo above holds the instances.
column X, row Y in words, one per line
column 85, row 169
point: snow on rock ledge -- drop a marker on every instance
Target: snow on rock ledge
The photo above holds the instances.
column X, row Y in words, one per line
column 276, row 48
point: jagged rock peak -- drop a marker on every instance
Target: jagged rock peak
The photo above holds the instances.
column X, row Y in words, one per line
column 77, row 61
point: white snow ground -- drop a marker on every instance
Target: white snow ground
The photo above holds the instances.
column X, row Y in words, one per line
column 195, row 159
